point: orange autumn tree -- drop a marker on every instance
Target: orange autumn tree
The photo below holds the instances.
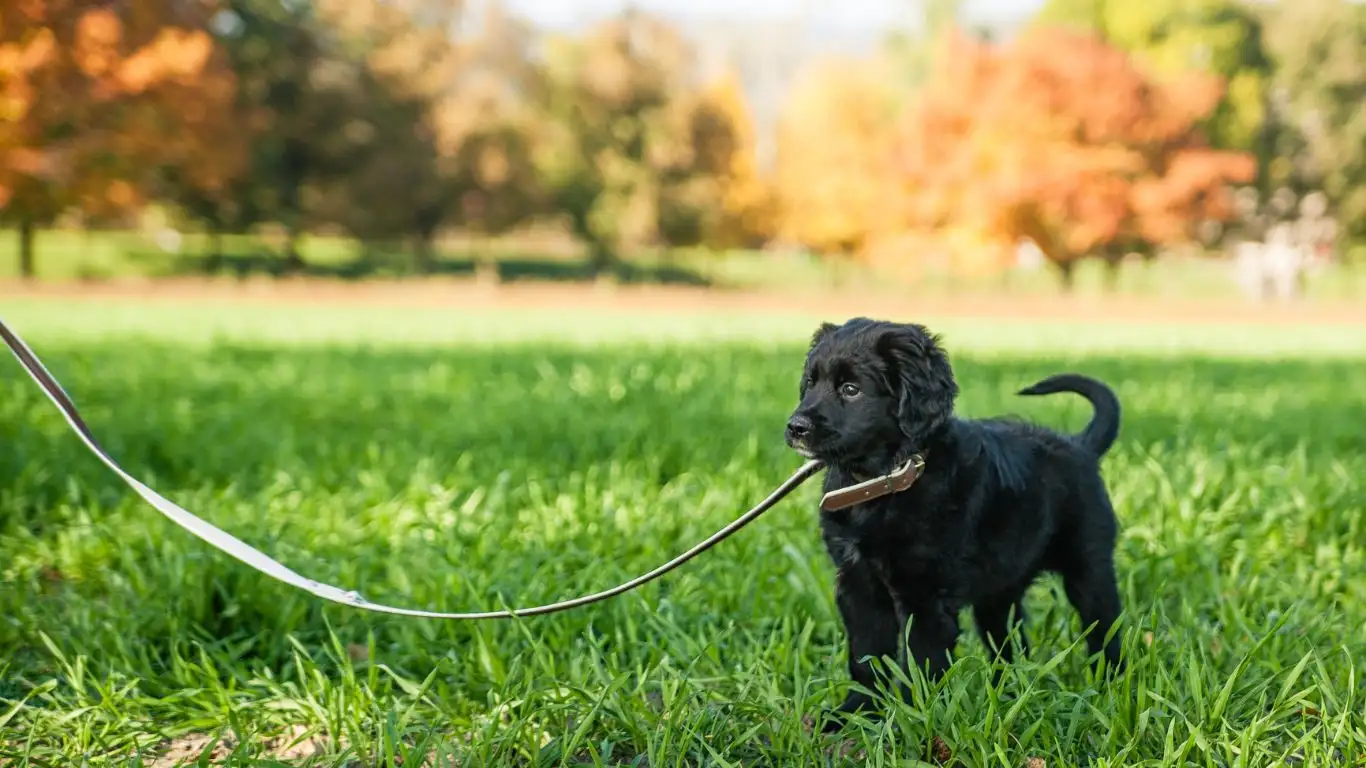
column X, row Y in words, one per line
column 1061, row 139
column 19, row 60
column 97, row 101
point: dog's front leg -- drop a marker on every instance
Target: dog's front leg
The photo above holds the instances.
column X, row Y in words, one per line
column 872, row 632
column 933, row 634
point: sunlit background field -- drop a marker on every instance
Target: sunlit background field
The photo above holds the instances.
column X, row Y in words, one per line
column 400, row 453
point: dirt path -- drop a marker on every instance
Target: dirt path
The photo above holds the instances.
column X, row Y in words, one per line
column 670, row 300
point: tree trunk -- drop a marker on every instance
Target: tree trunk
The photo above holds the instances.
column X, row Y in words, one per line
column 485, row 265
column 215, row 241
column 1112, row 263
column 213, row 257
column 26, row 247
column 294, row 263
column 601, row 260
column 424, row 254
column 835, row 269
column 1067, row 274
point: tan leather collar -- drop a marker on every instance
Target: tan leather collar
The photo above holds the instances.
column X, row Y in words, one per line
column 895, row 481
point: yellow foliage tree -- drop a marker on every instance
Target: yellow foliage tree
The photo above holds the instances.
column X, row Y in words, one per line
column 835, row 137
column 724, row 135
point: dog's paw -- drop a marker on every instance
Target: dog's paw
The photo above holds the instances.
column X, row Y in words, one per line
column 825, row 721
column 847, row 749
column 841, row 749
column 832, row 721
column 1105, row 670
column 1114, row 672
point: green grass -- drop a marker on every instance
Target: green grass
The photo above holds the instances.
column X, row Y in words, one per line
column 560, row 456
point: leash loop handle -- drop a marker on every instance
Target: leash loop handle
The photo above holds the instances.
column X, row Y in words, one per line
column 234, row 547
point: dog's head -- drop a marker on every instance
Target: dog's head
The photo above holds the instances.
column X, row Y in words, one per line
column 870, row 390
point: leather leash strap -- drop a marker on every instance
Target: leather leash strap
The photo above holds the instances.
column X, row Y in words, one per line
column 226, row 543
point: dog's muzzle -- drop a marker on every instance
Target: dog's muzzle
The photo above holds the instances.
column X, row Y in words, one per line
column 798, row 433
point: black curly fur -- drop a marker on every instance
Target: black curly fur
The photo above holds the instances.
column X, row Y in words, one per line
column 1000, row 501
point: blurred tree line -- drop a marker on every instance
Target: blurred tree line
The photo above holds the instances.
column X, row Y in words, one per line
column 1103, row 128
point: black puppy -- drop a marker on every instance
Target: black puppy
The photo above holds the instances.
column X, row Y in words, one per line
column 996, row 501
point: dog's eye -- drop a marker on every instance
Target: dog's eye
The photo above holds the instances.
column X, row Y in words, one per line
column 849, row 390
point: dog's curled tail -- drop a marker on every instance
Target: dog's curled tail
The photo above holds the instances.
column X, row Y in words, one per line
column 1100, row 434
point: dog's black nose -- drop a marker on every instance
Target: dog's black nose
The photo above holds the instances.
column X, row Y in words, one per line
column 798, row 427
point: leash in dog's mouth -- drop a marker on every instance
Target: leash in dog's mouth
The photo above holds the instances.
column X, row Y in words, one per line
column 230, row 545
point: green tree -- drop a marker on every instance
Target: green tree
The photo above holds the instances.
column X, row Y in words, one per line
column 1319, row 47
column 278, row 59
column 449, row 117
column 616, row 154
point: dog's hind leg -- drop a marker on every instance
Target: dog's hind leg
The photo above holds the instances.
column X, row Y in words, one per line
column 1091, row 588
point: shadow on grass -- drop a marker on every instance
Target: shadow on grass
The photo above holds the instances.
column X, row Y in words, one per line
column 317, row 413
column 391, row 264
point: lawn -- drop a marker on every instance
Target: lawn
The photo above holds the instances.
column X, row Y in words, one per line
column 564, row 455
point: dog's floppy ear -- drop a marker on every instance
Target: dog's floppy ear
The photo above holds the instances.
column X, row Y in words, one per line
column 923, row 379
